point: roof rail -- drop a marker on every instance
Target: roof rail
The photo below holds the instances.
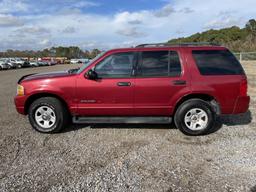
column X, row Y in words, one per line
column 178, row 44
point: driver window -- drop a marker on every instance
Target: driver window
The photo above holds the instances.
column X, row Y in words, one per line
column 116, row 65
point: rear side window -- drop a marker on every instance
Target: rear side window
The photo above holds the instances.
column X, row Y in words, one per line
column 217, row 62
column 159, row 64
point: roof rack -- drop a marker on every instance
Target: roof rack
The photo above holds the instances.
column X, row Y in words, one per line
column 178, row 44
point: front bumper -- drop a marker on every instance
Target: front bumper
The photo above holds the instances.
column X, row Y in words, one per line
column 242, row 104
column 20, row 104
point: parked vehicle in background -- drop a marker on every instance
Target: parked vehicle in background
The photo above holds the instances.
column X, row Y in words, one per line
column 12, row 64
column 49, row 61
column 74, row 61
column 43, row 63
column 67, row 61
column 79, row 61
column 151, row 83
column 3, row 65
column 24, row 62
column 19, row 62
column 15, row 62
column 85, row 60
column 60, row 60
column 33, row 64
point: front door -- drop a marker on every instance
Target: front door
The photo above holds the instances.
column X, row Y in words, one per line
column 112, row 93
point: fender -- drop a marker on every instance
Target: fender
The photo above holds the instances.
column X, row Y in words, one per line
column 64, row 90
column 178, row 97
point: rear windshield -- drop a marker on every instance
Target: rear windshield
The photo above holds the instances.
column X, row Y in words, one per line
column 217, row 62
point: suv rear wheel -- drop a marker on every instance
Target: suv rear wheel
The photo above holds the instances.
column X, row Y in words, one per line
column 195, row 117
column 48, row 115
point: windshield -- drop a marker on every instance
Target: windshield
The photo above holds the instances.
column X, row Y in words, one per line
column 89, row 63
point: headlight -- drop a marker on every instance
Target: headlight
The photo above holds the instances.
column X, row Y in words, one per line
column 20, row 90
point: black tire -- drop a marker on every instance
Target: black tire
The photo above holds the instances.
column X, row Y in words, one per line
column 19, row 66
column 61, row 114
column 185, row 108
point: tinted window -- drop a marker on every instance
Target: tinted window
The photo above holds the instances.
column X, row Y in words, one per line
column 116, row 65
column 217, row 62
column 175, row 67
column 159, row 63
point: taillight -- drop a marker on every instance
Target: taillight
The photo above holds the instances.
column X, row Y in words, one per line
column 243, row 87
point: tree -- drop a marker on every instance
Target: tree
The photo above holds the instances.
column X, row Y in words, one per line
column 235, row 38
column 251, row 26
column 94, row 53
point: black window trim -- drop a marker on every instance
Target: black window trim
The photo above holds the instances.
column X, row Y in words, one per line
column 133, row 72
column 139, row 62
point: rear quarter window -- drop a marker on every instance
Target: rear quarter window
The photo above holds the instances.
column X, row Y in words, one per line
column 217, row 62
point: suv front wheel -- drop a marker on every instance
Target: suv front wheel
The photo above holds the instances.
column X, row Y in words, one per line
column 195, row 117
column 48, row 115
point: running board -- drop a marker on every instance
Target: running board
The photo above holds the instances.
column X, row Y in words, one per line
column 128, row 120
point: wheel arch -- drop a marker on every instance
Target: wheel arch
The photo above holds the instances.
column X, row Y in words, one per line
column 35, row 96
column 205, row 97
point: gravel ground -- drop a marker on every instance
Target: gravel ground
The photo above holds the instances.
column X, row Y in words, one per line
column 123, row 157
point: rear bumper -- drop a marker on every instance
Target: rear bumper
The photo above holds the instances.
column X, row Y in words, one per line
column 20, row 104
column 242, row 104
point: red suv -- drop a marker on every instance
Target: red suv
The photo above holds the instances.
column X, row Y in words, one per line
column 150, row 83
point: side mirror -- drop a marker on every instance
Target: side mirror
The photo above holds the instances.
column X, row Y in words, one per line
column 92, row 75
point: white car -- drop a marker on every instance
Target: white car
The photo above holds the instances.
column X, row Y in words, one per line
column 74, row 61
column 19, row 63
column 10, row 63
column 4, row 65
column 33, row 64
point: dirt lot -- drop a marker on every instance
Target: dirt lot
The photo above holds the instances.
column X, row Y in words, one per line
column 124, row 157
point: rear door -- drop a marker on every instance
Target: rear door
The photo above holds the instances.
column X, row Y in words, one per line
column 159, row 80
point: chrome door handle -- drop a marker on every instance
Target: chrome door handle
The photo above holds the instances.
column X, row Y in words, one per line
column 179, row 82
column 122, row 84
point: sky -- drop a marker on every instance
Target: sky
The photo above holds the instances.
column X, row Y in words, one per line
column 106, row 24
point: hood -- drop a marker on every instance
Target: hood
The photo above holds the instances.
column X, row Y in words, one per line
column 36, row 76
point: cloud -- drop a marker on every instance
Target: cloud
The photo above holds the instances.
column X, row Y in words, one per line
column 83, row 4
column 135, row 22
column 222, row 23
column 12, row 6
column 33, row 30
column 44, row 42
column 25, row 43
column 165, row 11
column 131, row 32
column 179, row 31
column 187, row 10
column 10, row 21
column 69, row 11
column 69, row 30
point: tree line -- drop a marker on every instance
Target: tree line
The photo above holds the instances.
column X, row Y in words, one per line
column 235, row 38
column 69, row 52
